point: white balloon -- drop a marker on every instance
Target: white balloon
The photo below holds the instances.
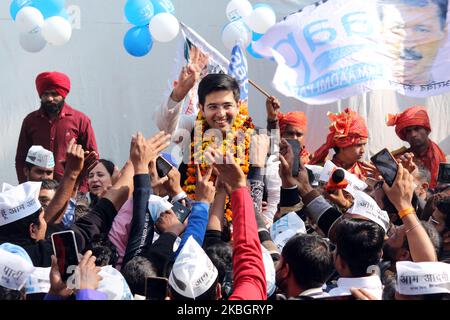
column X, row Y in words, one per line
column 28, row 19
column 164, row 27
column 237, row 9
column 234, row 32
column 261, row 19
column 32, row 41
column 57, row 30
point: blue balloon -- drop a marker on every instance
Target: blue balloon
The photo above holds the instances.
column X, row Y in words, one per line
column 49, row 8
column 255, row 37
column 163, row 6
column 138, row 41
column 139, row 12
column 16, row 5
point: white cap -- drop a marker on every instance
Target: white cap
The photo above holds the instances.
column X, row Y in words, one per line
column 113, row 284
column 290, row 221
column 14, row 270
column 158, row 205
column 364, row 205
column 40, row 157
column 19, row 202
column 418, row 278
column 38, row 281
column 193, row 273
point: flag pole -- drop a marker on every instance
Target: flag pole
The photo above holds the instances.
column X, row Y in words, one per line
column 257, row 87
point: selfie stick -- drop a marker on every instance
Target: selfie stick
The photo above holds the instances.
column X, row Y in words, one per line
column 259, row 88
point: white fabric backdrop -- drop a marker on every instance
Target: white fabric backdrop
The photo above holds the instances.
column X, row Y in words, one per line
column 118, row 92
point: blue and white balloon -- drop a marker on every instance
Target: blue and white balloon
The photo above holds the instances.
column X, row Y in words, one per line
column 139, row 12
column 138, row 41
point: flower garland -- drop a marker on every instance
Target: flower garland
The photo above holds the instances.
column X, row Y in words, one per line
column 242, row 124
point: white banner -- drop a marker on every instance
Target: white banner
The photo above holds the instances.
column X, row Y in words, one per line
column 343, row 48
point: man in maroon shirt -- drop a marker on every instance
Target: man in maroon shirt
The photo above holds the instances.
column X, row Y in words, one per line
column 54, row 125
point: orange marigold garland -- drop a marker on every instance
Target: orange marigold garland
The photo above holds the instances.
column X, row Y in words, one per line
column 243, row 124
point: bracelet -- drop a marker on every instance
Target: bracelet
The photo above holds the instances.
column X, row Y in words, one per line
column 403, row 213
column 412, row 228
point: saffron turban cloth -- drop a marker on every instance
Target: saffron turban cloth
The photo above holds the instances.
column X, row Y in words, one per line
column 53, row 81
column 418, row 116
column 414, row 116
column 347, row 129
column 295, row 119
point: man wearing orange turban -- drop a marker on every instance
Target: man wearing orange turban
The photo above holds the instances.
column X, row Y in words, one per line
column 53, row 125
column 348, row 137
column 292, row 125
column 413, row 126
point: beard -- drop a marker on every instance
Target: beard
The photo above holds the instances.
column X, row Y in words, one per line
column 51, row 108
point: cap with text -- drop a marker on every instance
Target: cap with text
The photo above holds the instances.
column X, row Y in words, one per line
column 19, row 202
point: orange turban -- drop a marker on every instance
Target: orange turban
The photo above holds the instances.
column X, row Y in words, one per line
column 414, row 116
column 295, row 119
column 418, row 116
column 53, row 81
column 347, row 129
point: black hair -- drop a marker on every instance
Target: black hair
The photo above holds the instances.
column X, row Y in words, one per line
column 221, row 255
column 104, row 250
column 136, row 271
column 217, row 82
column 359, row 244
column 443, row 205
column 9, row 294
column 310, row 259
column 19, row 230
column 49, row 184
column 109, row 165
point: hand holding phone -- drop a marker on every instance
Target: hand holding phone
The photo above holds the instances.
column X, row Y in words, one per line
column 156, row 288
column 66, row 251
column 386, row 165
column 162, row 167
column 181, row 211
column 296, row 149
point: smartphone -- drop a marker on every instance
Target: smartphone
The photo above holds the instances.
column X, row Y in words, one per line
column 66, row 251
column 156, row 288
column 387, row 166
column 181, row 211
column 296, row 148
column 163, row 167
column 444, row 173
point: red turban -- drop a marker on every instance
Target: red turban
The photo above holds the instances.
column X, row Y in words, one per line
column 414, row 116
column 418, row 116
column 347, row 129
column 295, row 119
column 53, row 81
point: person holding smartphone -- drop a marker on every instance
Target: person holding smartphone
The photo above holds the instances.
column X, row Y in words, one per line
column 413, row 125
column 292, row 125
column 348, row 137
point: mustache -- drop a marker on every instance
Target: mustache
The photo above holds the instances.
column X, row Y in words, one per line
column 51, row 107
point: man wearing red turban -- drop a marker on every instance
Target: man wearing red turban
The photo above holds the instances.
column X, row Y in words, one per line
column 292, row 125
column 348, row 137
column 54, row 124
column 413, row 126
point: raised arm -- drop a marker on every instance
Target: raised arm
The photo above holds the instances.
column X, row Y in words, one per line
column 249, row 277
column 400, row 194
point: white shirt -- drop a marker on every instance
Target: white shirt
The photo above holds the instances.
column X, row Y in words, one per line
column 371, row 283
